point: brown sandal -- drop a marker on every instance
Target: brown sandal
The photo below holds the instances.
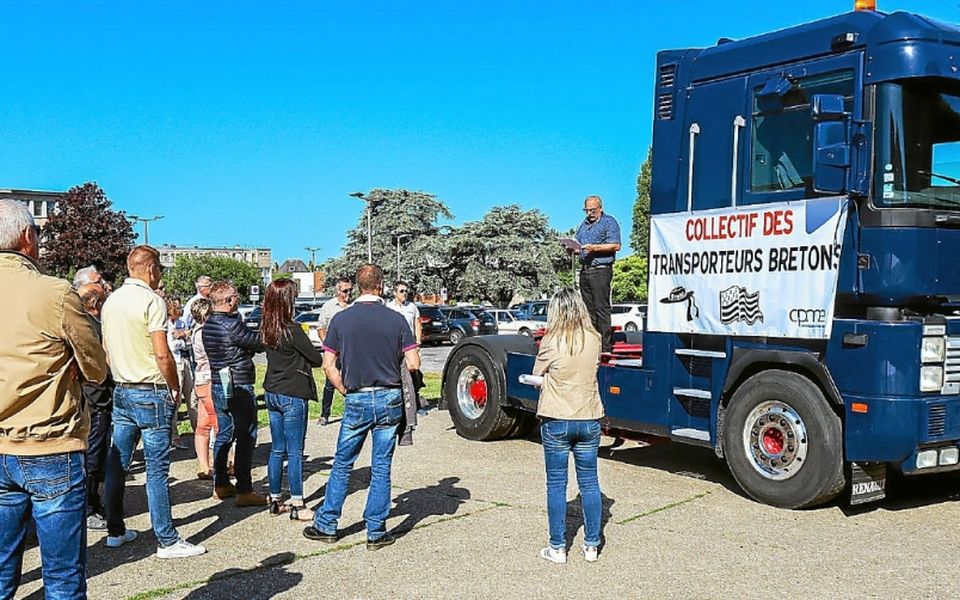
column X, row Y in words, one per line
column 299, row 512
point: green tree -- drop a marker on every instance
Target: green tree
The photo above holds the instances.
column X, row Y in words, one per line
column 509, row 251
column 629, row 279
column 180, row 280
column 640, row 232
column 410, row 216
column 84, row 230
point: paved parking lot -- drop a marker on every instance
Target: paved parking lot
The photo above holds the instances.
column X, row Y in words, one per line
column 472, row 519
column 432, row 357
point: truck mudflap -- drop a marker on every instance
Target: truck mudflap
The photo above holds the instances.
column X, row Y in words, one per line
column 868, row 482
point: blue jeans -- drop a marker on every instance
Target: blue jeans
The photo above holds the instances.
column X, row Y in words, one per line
column 559, row 439
column 147, row 414
column 378, row 412
column 52, row 490
column 288, row 428
column 237, row 422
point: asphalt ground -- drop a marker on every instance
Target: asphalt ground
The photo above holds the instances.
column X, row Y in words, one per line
column 432, row 358
column 472, row 518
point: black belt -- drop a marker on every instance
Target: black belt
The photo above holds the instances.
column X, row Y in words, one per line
column 598, row 267
column 157, row 387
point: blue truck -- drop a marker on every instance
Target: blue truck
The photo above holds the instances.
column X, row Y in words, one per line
column 804, row 266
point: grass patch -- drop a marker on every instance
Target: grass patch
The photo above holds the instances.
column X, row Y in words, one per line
column 431, row 393
column 662, row 508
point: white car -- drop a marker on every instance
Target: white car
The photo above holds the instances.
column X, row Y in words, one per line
column 629, row 317
column 509, row 323
column 310, row 322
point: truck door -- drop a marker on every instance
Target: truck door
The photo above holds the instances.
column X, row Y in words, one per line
column 715, row 123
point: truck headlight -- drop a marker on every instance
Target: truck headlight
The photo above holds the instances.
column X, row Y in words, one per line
column 933, row 349
column 931, row 378
column 949, row 456
column 926, row 459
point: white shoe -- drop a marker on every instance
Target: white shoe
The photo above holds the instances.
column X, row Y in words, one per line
column 182, row 549
column 115, row 541
column 590, row 553
column 554, row 555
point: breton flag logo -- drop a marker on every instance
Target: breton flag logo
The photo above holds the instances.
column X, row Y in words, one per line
column 737, row 305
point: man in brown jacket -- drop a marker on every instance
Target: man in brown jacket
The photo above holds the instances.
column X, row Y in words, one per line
column 47, row 347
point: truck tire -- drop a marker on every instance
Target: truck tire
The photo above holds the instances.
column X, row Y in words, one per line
column 631, row 326
column 474, row 395
column 525, row 331
column 783, row 442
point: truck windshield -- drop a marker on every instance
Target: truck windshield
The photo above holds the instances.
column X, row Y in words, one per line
column 918, row 145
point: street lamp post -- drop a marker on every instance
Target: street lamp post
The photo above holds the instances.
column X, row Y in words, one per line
column 400, row 237
column 146, row 222
column 369, row 201
column 313, row 268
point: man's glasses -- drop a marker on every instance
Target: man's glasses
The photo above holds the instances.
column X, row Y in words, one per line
column 590, row 210
column 345, row 291
column 402, row 292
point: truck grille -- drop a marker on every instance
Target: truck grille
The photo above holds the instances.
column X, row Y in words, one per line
column 937, row 420
column 667, row 75
column 951, row 369
column 665, row 107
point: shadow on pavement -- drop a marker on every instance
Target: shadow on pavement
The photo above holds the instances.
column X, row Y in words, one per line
column 575, row 518
column 263, row 582
column 439, row 500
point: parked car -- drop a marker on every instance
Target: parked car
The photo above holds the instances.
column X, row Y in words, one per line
column 629, row 316
column 510, row 322
column 252, row 320
column 433, row 324
column 466, row 322
column 309, row 304
column 310, row 321
column 535, row 310
column 245, row 309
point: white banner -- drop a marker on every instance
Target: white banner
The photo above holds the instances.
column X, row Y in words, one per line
column 762, row 270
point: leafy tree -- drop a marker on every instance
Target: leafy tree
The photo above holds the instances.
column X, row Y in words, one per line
column 280, row 275
column 508, row 251
column 180, row 280
column 84, row 230
column 629, row 279
column 640, row 232
column 411, row 216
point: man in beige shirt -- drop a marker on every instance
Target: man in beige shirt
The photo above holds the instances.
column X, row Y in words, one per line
column 47, row 345
column 134, row 320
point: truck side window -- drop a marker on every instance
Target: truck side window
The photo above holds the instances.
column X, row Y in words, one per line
column 782, row 132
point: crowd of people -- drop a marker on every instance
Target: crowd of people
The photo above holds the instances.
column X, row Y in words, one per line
column 90, row 373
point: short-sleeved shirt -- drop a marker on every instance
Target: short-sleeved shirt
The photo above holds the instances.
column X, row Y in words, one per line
column 409, row 311
column 330, row 308
column 370, row 340
column 604, row 230
column 129, row 316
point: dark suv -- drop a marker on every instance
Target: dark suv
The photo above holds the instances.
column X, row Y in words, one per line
column 535, row 310
column 466, row 322
column 433, row 324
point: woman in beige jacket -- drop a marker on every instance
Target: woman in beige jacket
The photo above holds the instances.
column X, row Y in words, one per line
column 570, row 412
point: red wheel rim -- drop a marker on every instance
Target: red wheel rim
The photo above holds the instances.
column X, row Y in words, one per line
column 772, row 440
column 478, row 391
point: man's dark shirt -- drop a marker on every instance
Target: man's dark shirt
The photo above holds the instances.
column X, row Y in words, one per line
column 370, row 340
column 99, row 398
column 604, row 230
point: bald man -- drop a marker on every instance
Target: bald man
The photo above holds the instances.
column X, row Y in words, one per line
column 135, row 336
column 599, row 237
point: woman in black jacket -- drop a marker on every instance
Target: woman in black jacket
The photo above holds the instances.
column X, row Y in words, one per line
column 289, row 384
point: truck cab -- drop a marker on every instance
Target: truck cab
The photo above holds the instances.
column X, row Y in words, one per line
column 804, row 280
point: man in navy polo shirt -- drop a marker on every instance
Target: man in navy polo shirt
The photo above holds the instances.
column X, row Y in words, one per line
column 599, row 238
column 371, row 341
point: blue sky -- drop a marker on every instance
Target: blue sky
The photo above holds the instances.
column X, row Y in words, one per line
column 250, row 122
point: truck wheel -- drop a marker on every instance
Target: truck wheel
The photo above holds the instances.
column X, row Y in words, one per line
column 456, row 336
column 631, row 326
column 783, row 441
column 475, row 396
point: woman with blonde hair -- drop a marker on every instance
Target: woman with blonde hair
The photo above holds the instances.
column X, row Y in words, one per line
column 570, row 413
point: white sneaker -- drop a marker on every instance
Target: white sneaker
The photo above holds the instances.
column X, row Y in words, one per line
column 590, row 553
column 115, row 541
column 554, row 555
column 182, row 549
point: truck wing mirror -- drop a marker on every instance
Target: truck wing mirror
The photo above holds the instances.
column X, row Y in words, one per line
column 831, row 143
